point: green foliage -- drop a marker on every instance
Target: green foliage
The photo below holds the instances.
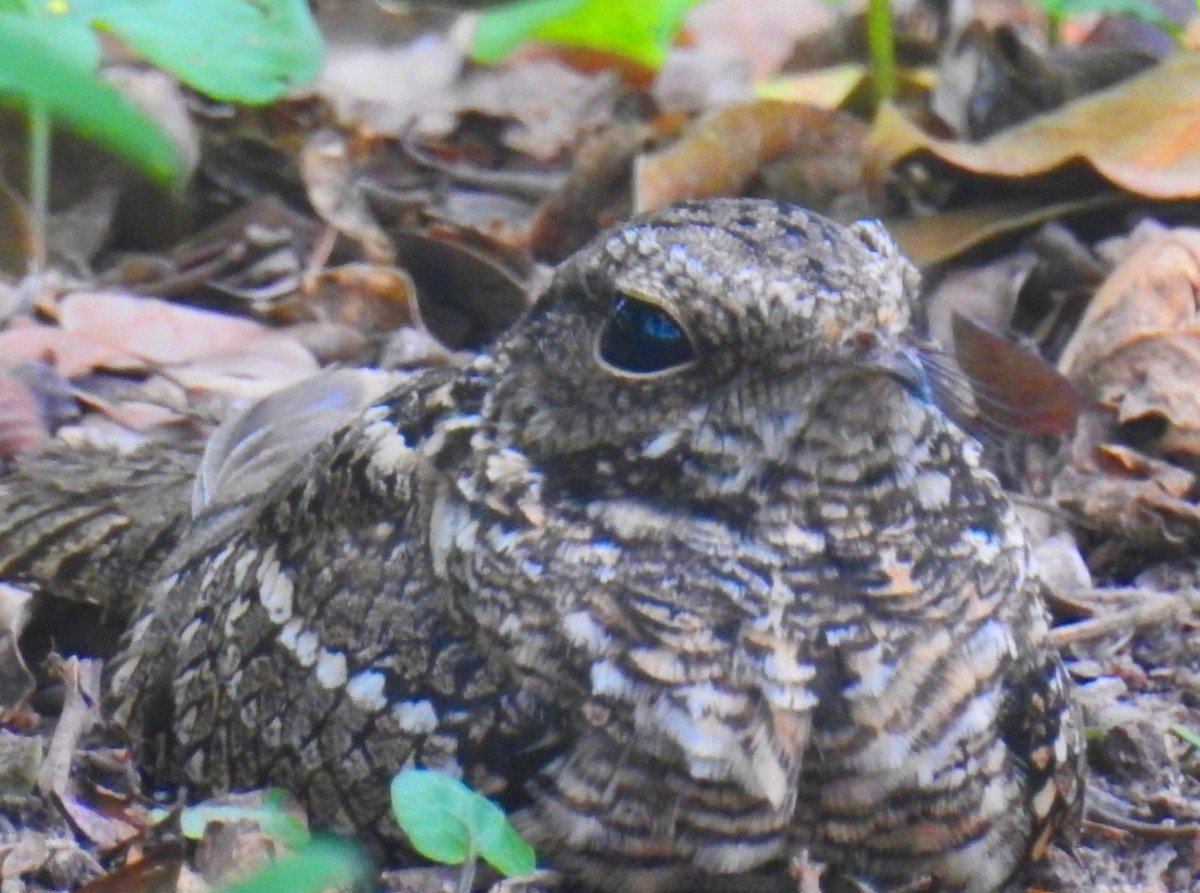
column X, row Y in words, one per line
column 269, row 816
column 449, row 823
column 245, row 50
column 242, row 50
column 320, row 864
column 881, row 43
column 51, row 67
column 641, row 30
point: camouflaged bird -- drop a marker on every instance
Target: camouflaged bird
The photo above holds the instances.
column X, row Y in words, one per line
column 689, row 569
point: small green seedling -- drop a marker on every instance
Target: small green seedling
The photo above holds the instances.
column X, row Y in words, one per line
column 641, row 30
column 881, row 45
column 321, row 864
column 241, row 50
column 448, row 822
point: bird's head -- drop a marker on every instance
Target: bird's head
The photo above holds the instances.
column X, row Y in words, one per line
column 702, row 335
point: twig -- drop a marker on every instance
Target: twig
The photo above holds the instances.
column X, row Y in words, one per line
column 1148, row 611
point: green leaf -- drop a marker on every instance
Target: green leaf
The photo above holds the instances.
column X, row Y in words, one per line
column 71, row 38
column 499, row 843
column 499, row 31
column 269, row 816
column 249, row 51
column 318, row 865
column 49, row 68
column 449, row 823
column 641, row 30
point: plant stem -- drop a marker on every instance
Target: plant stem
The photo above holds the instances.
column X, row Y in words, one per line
column 881, row 43
column 466, row 878
column 39, row 183
column 1054, row 23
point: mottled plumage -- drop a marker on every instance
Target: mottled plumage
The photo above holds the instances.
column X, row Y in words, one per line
column 689, row 568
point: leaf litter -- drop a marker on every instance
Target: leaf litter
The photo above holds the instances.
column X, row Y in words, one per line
column 400, row 211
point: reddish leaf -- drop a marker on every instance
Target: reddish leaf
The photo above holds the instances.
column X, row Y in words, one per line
column 1014, row 387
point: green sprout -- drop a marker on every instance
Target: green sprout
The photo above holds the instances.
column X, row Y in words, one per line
column 241, row 50
column 447, row 822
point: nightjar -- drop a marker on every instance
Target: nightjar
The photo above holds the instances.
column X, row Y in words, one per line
column 689, row 570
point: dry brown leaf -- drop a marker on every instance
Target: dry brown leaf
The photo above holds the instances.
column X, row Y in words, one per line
column 551, row 107
column 1014, row 387
column 80, row 712
column 1155, row 288
column 106, row 830
column 993, row 78
column 1142, row 510
column 334, row 183
column 1143, row 135
column 96, row 431
column 156, row 331
column 155, row 874
column 987, row 294
column 595, row 194
column 1137, row 349
column 28, row 853
column 136, row 415
column 470, row 287
column 70, row 353
column 1136, row 355
column 367, row 297
column 239, row 255
column 331, row 342
column 692, row 80
column 828, row 88
column 939, row 237
column 721, row 151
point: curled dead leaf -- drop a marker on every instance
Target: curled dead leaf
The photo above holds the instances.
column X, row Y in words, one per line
column 1143, row 135
column 1136, row 351
column 720, row 152
column 1136, row 355
column 1155, row 288
column 471, row 288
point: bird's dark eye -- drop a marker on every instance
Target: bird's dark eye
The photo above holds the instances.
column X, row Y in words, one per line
column 642, row 338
